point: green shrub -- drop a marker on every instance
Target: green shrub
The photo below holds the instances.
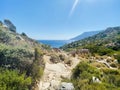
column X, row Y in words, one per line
column 104, row 51
column 47, row 47
column 37, row 67
column 83, row 73
column 36, row 72
column 62, row 57
column 54, row 58
column 118, row 58
column 84, row 68
column 23, row 34
column 15, row 58
column 12, row 80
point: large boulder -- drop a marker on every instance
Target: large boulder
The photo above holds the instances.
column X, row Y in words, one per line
column 66, row 86
column 10, row 25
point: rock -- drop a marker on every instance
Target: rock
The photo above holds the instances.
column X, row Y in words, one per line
column 54, row 84
column 65, row 75
column 46, row 85
column 95, row 80
column 66, row 86
column 9, row 24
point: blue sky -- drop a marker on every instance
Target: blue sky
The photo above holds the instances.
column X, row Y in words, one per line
column 60, row 19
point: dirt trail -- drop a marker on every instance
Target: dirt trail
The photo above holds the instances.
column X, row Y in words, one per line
column 54, row 73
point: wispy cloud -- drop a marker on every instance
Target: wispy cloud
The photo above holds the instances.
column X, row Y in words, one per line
column 74, row 6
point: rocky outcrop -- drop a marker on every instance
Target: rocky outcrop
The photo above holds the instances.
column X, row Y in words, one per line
column 10, row 25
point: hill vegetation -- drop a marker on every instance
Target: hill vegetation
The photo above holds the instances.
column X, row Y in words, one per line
column 87, row 77
column 100, row 69
column 21, row 59
column 104, row 43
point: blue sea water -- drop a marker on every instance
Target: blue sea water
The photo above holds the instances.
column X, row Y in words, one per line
column 55, row 43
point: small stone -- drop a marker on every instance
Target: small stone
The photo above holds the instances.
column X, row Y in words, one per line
column 95, row 80
column 46, row 85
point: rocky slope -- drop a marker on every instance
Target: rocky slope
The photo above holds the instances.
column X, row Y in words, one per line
column 54, row 73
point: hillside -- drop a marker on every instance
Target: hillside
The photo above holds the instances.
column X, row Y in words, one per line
column 85, row 35
column 11, row 38
column 27, row 65
column 109, row 38
column 20, row 57
column 100, row 68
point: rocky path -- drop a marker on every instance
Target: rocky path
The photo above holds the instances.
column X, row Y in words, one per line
column 54, row 73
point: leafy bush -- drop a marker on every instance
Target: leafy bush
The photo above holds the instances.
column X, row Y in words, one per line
column 36, row 72
column 104, row 51
column 37, row 67
column 111, row 77
column 92, row 48
column 83, row 69
column 47, row 47
column 23, row 34
column 118, row 58
column 4, row 38
column 62, row 57
column 99, row 49
column 15, row 58
column 22, row 60
column 12, row 80
column 83, row 73
column 54, row 58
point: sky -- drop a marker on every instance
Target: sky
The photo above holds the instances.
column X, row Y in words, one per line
column 60, row 19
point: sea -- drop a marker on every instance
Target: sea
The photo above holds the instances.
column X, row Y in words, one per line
column 55, row 43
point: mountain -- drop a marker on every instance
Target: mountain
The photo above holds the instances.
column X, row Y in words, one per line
column 85, row 35
column 108, row 39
